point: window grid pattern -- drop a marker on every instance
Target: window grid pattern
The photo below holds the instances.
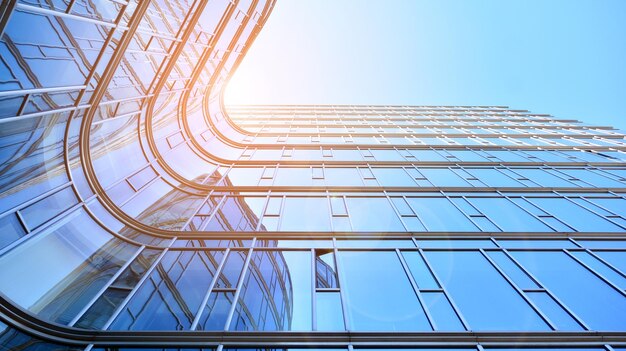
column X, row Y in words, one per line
column 132, row 200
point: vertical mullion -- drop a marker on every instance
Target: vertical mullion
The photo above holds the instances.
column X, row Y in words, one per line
column 340, row 282
column 445, row 291
column 206, row 199
column 313, row 291
column 242, row 278
column 107, row 285
column 552, row 295
column 141, row 281
column 519, row 290
column 418, row 294
column 205, row 299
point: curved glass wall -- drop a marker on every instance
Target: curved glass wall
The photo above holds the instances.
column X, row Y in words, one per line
column 137, row 210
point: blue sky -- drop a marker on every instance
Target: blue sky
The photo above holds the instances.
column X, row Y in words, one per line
column 562, row 57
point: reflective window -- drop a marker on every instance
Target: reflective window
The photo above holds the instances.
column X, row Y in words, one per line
column 169, row 299
column 594, row 301
column 508, row 216
column 574, row 215
column 305, row 214
column 373, row 214
column 440, row 215
column 378, row 293
column 393, row 177
column 10, row 229
column 276, row 293
column 56, row 273
column 486, row 300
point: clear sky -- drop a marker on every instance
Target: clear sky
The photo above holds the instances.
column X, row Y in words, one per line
column 562, row 57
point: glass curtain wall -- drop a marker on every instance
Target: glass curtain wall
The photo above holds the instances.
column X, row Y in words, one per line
column 137, row 211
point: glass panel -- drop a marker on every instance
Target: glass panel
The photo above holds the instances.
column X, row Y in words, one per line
column 422, row 275
column 328, row 312
column 493, row 177
column 325, row 270
column 10, row 230
column 615, row 258
column 170, row 298
column 231, row 271
column 555, row 313
column 299, row 244
column 440, row 215
column 378, row 293
column 574, row 215
column 599, row 305
column 56, row 273
column 507, row 215
column 615, row 205
column 484, row 298
column 593, row 178
column 36, row 165
column 443, row 177
column 441, row 311
column 512, row 270
column 602, row 244
column 342, row 177
column 99, row 313
column 49, row 207
column 216, row 311
column 141, row 178
column 601, row 268
column 235, row 214
column 393, row 177
column 276, row 293
column 299, row 271
column 305, row 214
column 373, row 214
column 543, row 178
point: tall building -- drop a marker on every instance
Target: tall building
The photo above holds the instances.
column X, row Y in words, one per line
column 137, row 211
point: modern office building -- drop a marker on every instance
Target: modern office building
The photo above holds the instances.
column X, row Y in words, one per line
column 137, row 211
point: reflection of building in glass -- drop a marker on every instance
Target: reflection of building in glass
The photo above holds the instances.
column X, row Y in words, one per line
column 136, row 211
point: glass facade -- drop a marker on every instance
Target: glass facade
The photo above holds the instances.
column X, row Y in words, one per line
column 137, row 211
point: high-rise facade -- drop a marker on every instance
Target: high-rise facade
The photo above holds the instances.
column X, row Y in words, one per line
column 136, row 211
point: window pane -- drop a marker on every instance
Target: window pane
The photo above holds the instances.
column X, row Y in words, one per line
column 328, row 312
column 49, row 207
column 507, row 215
column 441, row 311
column 574, row 215
column 216, row 311
column 378, row 293
column 493, row 177
column 615, row 258
column 483, row 296
column 306, row 214
column 170, row 298
column 600, row 268
column 599, row 305
column 373, row 214
column 421, row 274
column 555, row 313
column 439, row 215
column 393, row 177
column 10, row 230
column 268, row 297
column 56, row 273
column 443, row 177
